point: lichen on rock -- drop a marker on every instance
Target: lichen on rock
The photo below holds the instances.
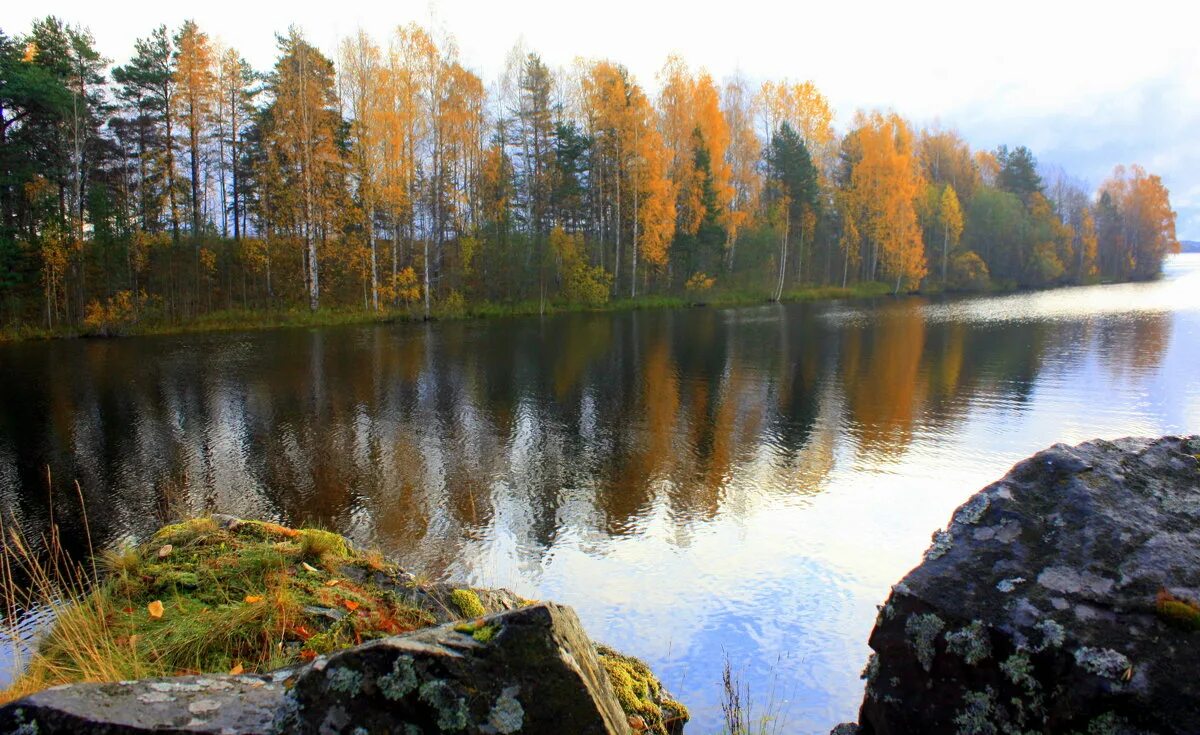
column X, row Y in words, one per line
column 1079, row 569
column 1102, row 662
column 400, row 681
column 922, row 631
column 970, row 642
column 507, row 715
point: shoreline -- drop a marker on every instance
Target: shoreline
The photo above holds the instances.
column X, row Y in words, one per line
column 237, row 320
column 251, row 320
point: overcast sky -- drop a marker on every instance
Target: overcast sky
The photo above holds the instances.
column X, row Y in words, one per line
column 1086, row 85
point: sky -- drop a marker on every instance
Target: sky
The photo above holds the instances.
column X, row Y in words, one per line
column 1085, row 85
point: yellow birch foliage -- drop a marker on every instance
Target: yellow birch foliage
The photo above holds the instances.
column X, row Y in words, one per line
column 884, row 185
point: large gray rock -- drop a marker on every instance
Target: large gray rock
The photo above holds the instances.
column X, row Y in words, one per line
column 1045, row 606
column 531, row 670
column 186, row 704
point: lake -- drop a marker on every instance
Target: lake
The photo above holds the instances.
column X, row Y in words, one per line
column 699, row 484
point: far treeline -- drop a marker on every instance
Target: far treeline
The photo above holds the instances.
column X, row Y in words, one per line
column 183, row 184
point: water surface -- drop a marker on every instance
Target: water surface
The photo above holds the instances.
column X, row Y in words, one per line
column 698, row 483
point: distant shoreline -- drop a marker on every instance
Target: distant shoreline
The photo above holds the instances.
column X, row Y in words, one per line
column 247, row 320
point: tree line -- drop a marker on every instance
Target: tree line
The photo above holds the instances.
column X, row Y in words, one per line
column 392, row 177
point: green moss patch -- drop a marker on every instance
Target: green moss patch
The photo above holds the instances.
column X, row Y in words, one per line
column 1178, row 611
column 640, row 693
column 468, row 603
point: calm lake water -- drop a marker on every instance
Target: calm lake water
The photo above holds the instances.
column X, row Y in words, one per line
column 697, row 483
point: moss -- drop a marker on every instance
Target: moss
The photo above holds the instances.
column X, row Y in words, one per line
column 468, row 603
column 639, row 692
column 479, row 630
column 922, row 631
column 1177, row 611
column 185, row 532
column 323, row 546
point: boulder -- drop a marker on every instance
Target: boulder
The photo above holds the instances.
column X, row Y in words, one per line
column 532, row 670
column 1061, row 599
column 529, row 670
column 235, row 705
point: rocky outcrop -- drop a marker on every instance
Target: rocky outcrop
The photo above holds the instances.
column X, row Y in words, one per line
column 185, row 704
column 529, row 670
column 1061, row 599
column 220, row 594
column 533, row 670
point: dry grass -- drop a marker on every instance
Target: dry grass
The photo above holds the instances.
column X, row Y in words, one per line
column 197, row 598
column 737, row 706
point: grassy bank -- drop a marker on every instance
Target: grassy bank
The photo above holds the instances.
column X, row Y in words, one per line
column 200, row 598
column 250, row 319
column 219, row 595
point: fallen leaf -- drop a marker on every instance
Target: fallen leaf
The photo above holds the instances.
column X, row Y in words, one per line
column 350, row 604
column 155, row 609
column 309, row 567
column 331, row 583
column 307, row 655
column 637, row 723
column 253, row 599
column 165, row 551
column 237, row 669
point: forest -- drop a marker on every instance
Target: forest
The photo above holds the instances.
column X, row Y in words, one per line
column 391, row 180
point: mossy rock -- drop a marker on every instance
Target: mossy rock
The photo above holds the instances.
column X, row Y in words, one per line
column 467, row 602
column 640, row 693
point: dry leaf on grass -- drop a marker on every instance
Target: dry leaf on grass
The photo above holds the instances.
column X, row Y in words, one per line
column 155, row 609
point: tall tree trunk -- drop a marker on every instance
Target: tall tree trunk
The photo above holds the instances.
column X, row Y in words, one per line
column 374, row 258
column 783, row 252
column 945, row 250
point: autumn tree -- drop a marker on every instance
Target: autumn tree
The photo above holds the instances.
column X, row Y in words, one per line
column 237, row 88
column 301, row 139
column 742, row 156
column 405, row 131
column 1138, row 224
column 195, row 84
column 882, row 181
column 950, row 219
column 362, row 85
column 946, row 159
